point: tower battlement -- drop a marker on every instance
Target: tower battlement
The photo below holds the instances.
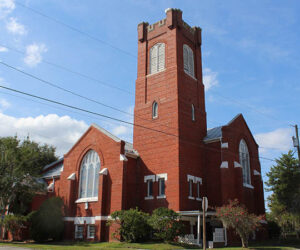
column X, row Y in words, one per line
column 173, row 20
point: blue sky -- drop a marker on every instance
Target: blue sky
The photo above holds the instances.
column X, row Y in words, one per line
column 251, row 64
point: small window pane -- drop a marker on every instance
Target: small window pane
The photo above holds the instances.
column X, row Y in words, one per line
column 155, row 110
column 78, row 231
column 161, row 186
column 188, row 60
column 91, row 231
column 157, row 58
column 198, row 189
column 190, row 188
column 150, row 188
column 193, row 113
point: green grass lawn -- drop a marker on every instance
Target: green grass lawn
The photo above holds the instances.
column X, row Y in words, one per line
column 150, row 245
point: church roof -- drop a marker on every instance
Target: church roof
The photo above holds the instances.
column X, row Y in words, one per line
column 213, row 134
column 55, row 171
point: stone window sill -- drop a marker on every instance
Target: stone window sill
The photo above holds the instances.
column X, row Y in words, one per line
column 198, row 199
column 89, row 199
column 191, row 198
column 149, row 198
column 161, row 197
column 248, row 185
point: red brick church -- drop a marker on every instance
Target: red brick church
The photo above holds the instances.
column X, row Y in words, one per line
column 174, row 160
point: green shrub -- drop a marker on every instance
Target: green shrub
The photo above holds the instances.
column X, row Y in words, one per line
column 132, row 225
column 47, row 223
column 165, row 223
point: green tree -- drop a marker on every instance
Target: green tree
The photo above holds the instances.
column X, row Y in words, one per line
column 165, row 223
column 21, row 163
column 13, row 223
column 284, row 202
column 235, row 216
column 47, row 222
column 131, row 224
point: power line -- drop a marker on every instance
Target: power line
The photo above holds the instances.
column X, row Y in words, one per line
column 63, row 89
column 74, row 93
column 111, row 118
column 76, row 30
column 72, row 71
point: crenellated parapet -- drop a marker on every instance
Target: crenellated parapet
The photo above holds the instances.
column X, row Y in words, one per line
column 173, row 20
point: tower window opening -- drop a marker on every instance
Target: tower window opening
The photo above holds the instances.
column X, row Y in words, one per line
column 157, row 58
column 245, row 162
column 188, row 60
column 154, row 110
column 193, row 112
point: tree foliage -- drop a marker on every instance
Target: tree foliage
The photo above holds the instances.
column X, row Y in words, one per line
column 284, row 202
column 21, row 163
column 13, row 223
column 47, row 223
column 165, row 223
column 236, row 216
column 132, row 225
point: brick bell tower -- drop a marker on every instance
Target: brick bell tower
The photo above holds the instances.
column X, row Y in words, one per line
column 170, row 100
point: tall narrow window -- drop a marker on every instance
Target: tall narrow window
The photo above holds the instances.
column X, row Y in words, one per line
column 157, row 58
column 198, row 190
column 89, row 175
column 188, row 60
column 161, row 186
column 193, row 112
column 190, row 188
column 78, row 231
column 245, row 162
column 91, row 232
column 154, row 110
column 149, row 188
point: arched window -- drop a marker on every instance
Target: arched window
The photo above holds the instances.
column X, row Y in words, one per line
column 245, row 161
column 157, row 58
column 193, row 112
column 188, row 60
column 89, row 175
column 154, row 110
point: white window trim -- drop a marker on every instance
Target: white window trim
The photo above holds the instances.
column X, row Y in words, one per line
column 198, row 199
column 224, row 145
column 248, row 185
column 190, row 177
column 162, row 176
column 76, row 230
column 237, row 165
column 88, row 231
column 161, row 196
column 149, row 197
column 191, row 197
column 149, row 177
column 224, row 164
column 88, row 199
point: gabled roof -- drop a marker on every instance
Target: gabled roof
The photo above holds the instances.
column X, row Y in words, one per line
column 213, row 134
column 54, row 172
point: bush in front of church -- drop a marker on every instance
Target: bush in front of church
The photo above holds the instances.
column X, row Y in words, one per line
column 47, row 222
column 132, row 225
column 165, row 224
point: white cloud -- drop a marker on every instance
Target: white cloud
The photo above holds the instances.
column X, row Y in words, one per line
column 59, row 131
column 14, row 27
column 3, row 49
column 279, row 139
column 209, row 78
column 120, row 130
column 4, row 104
column 34, row 54
column 6, row 7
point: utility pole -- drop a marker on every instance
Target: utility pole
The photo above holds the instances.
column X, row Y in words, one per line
column 296, row 141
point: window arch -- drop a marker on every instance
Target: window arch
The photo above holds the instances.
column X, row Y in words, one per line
column 245, row 161
column 154, row 110
column 188, row 60
column 193, row 112
column 89, row 175
column 157, row 58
